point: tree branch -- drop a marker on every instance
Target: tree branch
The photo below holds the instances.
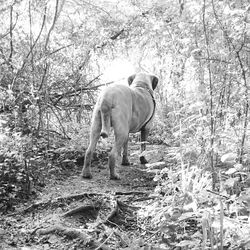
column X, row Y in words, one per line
column 11, row 37
column 52, row 26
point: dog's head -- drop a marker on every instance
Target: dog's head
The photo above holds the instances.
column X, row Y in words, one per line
column 150, row 80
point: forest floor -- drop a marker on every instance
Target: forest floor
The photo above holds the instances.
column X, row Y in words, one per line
column 75, row 213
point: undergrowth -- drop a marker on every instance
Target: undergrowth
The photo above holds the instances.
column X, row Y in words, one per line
column 189, row 214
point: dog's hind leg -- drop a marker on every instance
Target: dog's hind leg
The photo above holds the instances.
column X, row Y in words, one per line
column 144, row 136
column 125, row 161
column 116, row 153
column 94, row 136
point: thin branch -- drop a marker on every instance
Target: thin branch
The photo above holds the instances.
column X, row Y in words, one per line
column 31, row 50
column 13, row 27
column 69, row 93
column 63, row 47
column 212, row 121
column 38, row 36
column 114, row 37
column 45, row 69
column 104, row 242
column 52, row 26
column 74, row 92
column 63, row 129
column 31, row 43
column 87, row 57
column 246, row 111
column 244, row 77
column 95, row 6
column 11, row 37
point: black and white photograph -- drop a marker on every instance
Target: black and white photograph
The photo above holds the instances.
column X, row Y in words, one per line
column 124, row 125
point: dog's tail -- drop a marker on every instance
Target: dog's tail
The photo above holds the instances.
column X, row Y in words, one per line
column 105, row 118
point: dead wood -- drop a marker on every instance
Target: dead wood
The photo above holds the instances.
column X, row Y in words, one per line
column 82, row 209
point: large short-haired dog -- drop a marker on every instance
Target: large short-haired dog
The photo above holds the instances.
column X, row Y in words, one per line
column 128, row 109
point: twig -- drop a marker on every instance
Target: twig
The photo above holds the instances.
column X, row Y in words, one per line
column 59, row 121
column 63, row 47
column 221, row 195
column 80, row 89
column 131, row 192
column 113, row 212
column 152, row 234
column 101, row 246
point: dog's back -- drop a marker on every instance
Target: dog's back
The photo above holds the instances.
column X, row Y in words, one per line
column 114, row 98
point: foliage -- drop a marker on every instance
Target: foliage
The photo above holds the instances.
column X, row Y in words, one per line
column 15, row 176
column 25, row 164
column 189, row 214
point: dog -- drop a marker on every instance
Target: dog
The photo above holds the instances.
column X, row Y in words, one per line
column 128, row 109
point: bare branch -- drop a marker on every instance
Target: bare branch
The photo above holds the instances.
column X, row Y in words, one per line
column 52, row 26
column 63, row 47
column 11, row 37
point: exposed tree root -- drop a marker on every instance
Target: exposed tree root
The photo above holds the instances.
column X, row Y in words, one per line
column 44, row 204
column 74, row 233
column 132, row 193
column 69, row 232
column 107, row 208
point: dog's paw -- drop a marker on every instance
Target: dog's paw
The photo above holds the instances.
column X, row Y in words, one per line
column 86, row 175
column 143, row 160
column 115, row 177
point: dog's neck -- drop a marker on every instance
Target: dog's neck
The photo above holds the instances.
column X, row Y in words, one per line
column 140, row 84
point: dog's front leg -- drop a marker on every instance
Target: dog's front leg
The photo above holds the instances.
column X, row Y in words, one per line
column 144, row 136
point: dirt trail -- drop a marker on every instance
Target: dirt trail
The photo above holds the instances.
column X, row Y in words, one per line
column 75, row 213
column 132, row 177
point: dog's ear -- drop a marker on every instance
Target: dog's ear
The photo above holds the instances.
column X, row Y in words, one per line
column 154, row 82
column 131, row 79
